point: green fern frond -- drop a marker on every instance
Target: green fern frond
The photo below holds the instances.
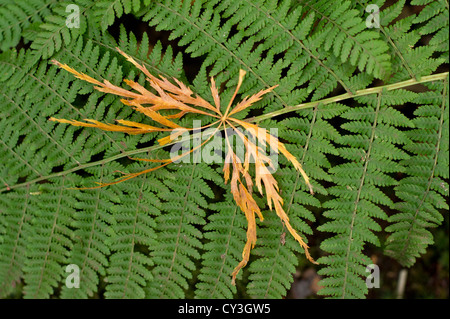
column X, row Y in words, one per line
column 16, row 16
column 134, row 235
column 14, row 238
column 179, row 241
column 106, row 11
column 225, row 234
column 422, row 191
column 92, row 223
column 59, row 30
column 49, row 243
column 358, row 194
column 344, row 32
column 434, row 19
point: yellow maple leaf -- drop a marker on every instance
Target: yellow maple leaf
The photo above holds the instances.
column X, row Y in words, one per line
column 179, row 97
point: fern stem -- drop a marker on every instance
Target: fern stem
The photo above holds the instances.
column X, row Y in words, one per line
column 399, row 54
column 345, row 96
column 388, row 87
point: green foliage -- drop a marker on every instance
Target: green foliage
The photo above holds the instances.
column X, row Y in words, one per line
column 370, row 159
column 50, row 36
column 225, row 229
column 378, row 160
column 16, row 16
column 423, row 190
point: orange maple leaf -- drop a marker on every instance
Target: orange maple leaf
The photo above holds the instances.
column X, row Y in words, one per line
column 179, row 97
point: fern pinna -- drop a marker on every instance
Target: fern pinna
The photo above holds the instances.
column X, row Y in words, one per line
column 362, row 110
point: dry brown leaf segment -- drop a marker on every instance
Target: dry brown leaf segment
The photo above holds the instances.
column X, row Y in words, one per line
column 179, row 97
